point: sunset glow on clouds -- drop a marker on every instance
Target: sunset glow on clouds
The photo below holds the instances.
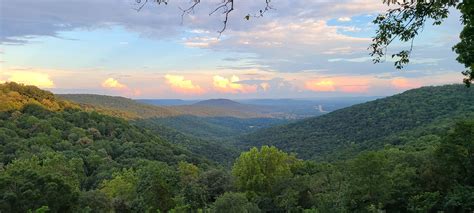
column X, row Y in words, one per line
column 404, row 84
column 120, row 88
column 265, row 86
column 179, row 84
column 113, row 84
column 230, row 85
column 41, row 80
column 300, row 49
column 341, row 84
column 324, row 85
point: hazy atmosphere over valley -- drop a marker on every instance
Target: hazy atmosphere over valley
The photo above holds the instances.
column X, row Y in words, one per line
column 226, row 106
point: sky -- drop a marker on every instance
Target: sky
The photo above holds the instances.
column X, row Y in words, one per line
column 299, row 49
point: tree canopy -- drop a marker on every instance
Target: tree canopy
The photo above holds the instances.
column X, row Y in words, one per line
column 56, row 158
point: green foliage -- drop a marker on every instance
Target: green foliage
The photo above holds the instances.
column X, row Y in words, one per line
column 60, row 156
column 465, row 47
column 394, row 120
column 406, row 19
column 121, row 188
column 213, row 128
column 234, row 203
column 69, row 160
column 122, row 106
column 220, row 152
column 259, row 170
column 29, row 186
column 155, row 188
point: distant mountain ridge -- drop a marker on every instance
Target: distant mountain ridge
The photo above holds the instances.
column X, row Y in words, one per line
column 218, row 102
column 166, row 102
column 142, row 110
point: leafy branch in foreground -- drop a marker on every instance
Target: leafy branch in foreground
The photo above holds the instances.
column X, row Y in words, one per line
column 408, row 18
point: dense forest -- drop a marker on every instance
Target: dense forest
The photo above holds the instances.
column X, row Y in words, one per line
column 57, row 156
column 393, row 120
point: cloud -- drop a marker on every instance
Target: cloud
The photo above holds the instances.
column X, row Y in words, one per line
column 231, row 85
column 354, row 88
column 179, row 84
column 200, row 41
column 356, row 60
column 355, row 84
column 344, row 19
column 38, row 79
column 265, row 86
column 113, row 84
column 404, row 83
column 324, row 85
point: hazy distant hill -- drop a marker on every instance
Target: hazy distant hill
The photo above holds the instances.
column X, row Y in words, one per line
column 141, row 110
column 304, row 108
column 198, row 121
column 166, row 102
column 219, row 103
column 120, row 103
column 426, row 110
column 214, row 128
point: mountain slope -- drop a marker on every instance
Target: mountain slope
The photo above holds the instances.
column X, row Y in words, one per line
column 138, row 109
column 213, row 128
column 367, row 124
column 218, row 103
column 222, row 153
column 42, row 124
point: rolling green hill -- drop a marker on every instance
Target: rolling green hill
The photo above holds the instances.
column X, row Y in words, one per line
column 206, row 120
column 135, row 109
column 213, row 128
column 165, row 122
column 39, row 122
column 372, row 124
column 223, row 153
column 142, row 110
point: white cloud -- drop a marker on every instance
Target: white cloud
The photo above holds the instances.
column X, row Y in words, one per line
column 38, row 79
column 113, row 84
column 344, row 19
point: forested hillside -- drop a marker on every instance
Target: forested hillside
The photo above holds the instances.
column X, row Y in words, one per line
column 371, row 124
column 137, row 110
column 57, row 154
column 198, row 122
column 214, row 128
column 142, row 110
column 218, row 151
column 56, row 157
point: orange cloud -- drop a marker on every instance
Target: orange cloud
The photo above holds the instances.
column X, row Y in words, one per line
column 342, row 84
column 30, row 78
column 113, row 84
column 324, row 85
column 403, row 83
column 265, row 86
column 178, row 84
column 354, row 88
column 227, row 85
